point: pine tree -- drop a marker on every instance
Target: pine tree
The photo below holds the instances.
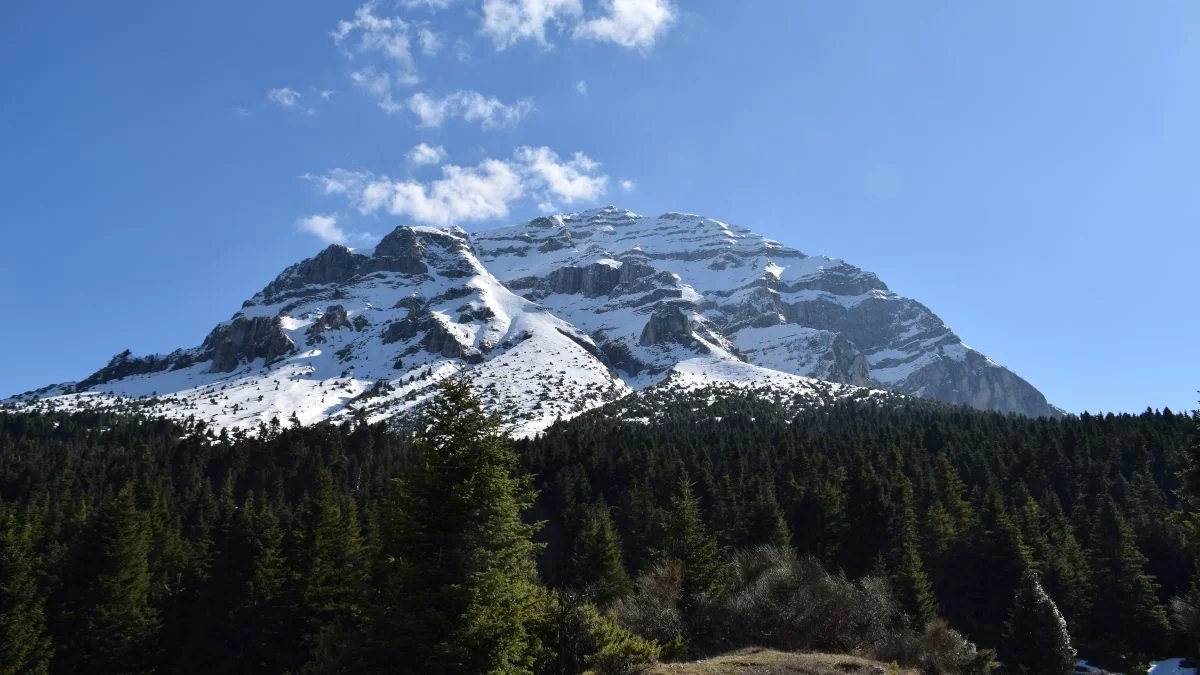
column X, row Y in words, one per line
column 983, row 594
column 462, row 593
column 1036, row 639
column 597, row 559
column 905, row 570
column 120, row 627
column 1126, row 617
column 689, row 541
column 25, row 646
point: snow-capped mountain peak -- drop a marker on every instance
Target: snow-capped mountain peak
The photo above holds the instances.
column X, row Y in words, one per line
column 548, row 319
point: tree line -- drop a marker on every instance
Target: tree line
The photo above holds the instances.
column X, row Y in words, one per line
column 130, row 544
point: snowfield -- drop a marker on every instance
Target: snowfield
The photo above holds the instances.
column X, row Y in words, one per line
column 546, row 319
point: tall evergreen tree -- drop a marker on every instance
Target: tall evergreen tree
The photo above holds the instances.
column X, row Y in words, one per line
column 905, row 570
column 689, row 541
column 1128, row 622
column 25, row 646
column 1036, row 639
column 462, row 593
column 597, row 558
column 119, row 629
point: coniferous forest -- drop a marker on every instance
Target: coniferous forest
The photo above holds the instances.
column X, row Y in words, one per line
column 939, row 538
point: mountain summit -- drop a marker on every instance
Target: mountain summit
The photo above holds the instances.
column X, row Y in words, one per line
column 548, row 319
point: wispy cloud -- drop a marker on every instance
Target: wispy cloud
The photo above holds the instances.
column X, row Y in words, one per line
column 324, row 227
column 431, row 43
column 388, row 36
column 508, row 22
column 326, row 94
column 427, row 4
column 581, row 87
column 465, row 194
column 628, row 185
column 423, row 154
column 634, row 24
column 472, row 106
column 288, row 98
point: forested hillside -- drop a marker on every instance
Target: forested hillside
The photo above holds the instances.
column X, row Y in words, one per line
column 139, row 545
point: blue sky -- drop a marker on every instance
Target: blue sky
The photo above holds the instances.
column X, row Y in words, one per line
column 1026, row 169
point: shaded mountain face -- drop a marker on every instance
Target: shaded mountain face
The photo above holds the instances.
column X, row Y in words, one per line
column 548, row 319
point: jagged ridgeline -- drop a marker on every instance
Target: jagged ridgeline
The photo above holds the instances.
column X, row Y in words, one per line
column 549, row 319
column 212, row 550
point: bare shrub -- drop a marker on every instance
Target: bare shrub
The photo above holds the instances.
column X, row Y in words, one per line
column 937, row 650
column 653, row 610
column 780, row 600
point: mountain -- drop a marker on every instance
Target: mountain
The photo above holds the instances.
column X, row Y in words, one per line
column 548, row 319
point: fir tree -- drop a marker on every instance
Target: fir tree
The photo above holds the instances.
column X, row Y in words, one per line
column 119, row 633
column 597, row 559
column 25, row 646
column 689, row 541
column 905, row 571
column 1128, row 622
column 462, row 593
column 1036, row 639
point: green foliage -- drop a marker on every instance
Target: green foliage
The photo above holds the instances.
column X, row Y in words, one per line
column 597, row 561
column 1129, row 624
column 285, row 550
column 461, row 589
column 580, row 636
column 24, row 641
column 1036, row 639
column 905, row 570
column 117, row 626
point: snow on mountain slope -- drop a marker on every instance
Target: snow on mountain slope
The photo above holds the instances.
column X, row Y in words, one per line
column 549, row 319
column 636, row 283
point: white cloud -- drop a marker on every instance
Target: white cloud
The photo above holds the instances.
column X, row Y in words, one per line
column 634, row 24
column 571, row 181
column 283, row 96
column 507, row 22
column 472, row 106
column 385, row 35
column 427, row 4
column 241, row 111
column 581, row 87
column 380, row 86
column 431, row 42
column 464, row 194
column 424, row 154
column 323, row 227
column 326, row 94
column 462, row 52
column 628, row 185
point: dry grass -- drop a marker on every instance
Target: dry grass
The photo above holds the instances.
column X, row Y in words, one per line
column 771, row 662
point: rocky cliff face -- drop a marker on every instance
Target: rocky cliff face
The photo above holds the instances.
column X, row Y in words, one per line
column 550, row 318
column 743, row 295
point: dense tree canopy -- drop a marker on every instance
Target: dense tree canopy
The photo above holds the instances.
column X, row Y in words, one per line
column 139, row 545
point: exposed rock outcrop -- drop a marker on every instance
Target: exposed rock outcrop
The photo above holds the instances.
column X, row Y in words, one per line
column 668, row 324
column 245, row 339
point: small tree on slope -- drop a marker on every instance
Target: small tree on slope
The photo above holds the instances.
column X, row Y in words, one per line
column 1036, row 639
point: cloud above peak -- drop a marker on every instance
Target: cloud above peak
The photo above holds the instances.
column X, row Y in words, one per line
column 370, row 33
column 284, row 96
column 633, row 24
column 508, row 22
column 423, row 154
column 472, row 106
column 467, row 194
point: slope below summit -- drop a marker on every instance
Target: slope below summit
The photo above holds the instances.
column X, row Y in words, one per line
column 548, row 319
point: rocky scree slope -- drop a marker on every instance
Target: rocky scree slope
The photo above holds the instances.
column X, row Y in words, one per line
column 549, row 319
